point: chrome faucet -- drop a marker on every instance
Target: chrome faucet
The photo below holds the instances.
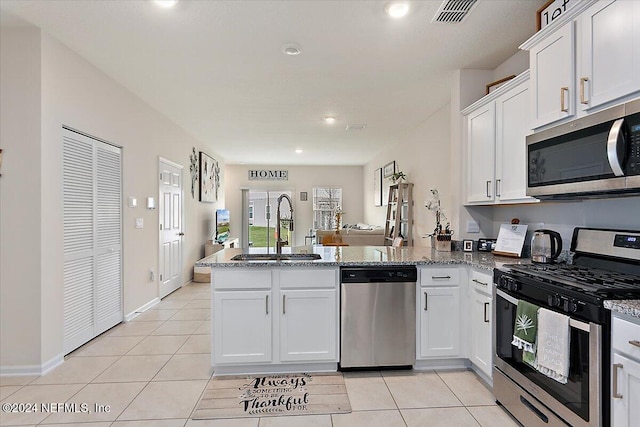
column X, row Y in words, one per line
column 279, row 242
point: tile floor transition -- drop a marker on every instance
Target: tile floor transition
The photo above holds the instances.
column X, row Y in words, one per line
column 152, row 371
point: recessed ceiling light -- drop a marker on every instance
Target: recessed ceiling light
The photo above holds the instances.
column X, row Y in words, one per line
column 166, row 4
column 397, row 9
column 298, row 150
column 291, row 49
column 330, row 120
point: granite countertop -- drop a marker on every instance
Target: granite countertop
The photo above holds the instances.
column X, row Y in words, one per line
column 356, row 256
column 629, row 307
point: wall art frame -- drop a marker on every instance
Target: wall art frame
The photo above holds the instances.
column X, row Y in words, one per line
column 209, row 178
column 389, row 169
column 377, row 187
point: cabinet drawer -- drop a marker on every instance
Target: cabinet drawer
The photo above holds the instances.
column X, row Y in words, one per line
column 302, row 278
column 235, row 278
column 439, row 276
column 624, row 334
column 482, row 281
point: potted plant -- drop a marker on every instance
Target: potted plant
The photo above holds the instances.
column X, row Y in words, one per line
column 397, row 177
column 441, row 237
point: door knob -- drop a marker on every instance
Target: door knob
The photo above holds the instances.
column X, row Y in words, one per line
column 181, row 234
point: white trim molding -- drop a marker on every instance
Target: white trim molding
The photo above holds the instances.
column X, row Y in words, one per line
column 30, row 370
column 138, row 311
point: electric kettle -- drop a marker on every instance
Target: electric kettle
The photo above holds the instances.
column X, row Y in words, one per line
column 545, row 246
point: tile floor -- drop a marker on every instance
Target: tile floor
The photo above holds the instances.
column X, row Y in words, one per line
column 152, row 371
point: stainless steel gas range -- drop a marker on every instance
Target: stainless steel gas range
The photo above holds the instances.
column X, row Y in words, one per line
column 606, row 266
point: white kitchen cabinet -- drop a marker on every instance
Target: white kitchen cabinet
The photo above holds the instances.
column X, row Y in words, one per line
column 553, row 65
column 481, row 351
column 481, row 139
column 438, row 305
column 274, row 316
column 587, row 60
column 610, row 45
column 308, row 326
column 495, row 141
column 625, row 372
column 242, row 326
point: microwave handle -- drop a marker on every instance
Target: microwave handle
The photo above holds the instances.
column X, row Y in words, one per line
column 616, row 145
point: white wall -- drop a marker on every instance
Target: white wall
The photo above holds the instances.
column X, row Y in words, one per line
column 76, row 94
column 20, row 198
column 301, row 178
column 423, row 154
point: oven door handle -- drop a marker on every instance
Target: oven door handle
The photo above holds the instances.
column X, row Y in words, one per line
column 572, row 322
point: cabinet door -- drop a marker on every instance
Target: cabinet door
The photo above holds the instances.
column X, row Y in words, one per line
column 610, row 66
column 308, row 325
column 512, row 127
column 242, row 326
column 439, row 322
column 481, row 346
column 552, row 64
column 481, row 134
column 625, row 411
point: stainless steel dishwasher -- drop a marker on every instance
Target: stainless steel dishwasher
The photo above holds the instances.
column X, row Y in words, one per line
column 378, row 316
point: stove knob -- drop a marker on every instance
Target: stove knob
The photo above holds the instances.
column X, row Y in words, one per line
column 570, row 306
column 503, row 281
column 554, row 300
column 513, row 285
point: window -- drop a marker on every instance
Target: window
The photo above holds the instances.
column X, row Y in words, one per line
column 325, row 202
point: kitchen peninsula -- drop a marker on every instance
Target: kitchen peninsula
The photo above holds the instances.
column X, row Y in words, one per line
column 283, row 316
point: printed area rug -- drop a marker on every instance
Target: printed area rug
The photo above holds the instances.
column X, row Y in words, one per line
column 273, row 395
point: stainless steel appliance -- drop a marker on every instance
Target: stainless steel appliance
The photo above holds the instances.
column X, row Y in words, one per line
column 594, row 156
column 606, row 265
column 378, row 317
column 546, row 245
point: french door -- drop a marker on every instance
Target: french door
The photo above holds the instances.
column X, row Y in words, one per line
column 92, row 195
column 261, row 208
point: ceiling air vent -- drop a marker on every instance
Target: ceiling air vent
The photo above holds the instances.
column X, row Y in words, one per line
column 453, row 11
column 356, row 127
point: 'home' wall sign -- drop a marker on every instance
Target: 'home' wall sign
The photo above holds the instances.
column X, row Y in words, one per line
column 268, row 175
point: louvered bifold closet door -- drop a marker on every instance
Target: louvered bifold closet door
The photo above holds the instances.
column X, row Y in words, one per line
column 92, row 238
column 109, row 238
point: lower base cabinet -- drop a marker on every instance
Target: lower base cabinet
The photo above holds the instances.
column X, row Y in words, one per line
column 481, row 348
column 625, row 372
column 275, row 316
column 308, row 325
column 242, row 322
column 439, row 322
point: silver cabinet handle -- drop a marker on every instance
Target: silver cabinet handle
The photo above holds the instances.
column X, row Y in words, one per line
column 440, row 277
column 284, row 311
column 616, row 143
column 266, row 304
column 479, row 282
column 498, row 187
column 426, row 301
column 583, row 80
column 488, row 185
column 615, row 393
column 563, row 107
column 486, row 305
column 635, row 343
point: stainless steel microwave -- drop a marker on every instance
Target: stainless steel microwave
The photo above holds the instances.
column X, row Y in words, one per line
column 594, row 156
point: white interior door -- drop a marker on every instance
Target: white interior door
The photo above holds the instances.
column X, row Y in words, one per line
column 171, row 227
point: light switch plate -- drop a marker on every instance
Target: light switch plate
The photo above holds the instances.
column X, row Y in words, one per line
column 133, row 202
column 139, row 222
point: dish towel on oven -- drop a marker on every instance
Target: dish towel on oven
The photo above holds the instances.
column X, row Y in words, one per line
column 552, row 356
column 526, row 326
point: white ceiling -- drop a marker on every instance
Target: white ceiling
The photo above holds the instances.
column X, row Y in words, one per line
column 215, row 67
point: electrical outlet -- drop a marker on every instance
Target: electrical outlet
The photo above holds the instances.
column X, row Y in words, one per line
column 139, row 222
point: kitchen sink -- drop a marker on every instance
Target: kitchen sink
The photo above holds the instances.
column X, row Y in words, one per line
column 276, row 257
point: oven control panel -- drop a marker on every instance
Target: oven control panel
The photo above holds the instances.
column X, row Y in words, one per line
column 626, row 241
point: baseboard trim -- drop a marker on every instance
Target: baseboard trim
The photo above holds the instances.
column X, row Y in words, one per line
column 31, row 370
column 137, row 312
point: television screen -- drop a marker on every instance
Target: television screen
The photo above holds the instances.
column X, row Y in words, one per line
column 222, row 225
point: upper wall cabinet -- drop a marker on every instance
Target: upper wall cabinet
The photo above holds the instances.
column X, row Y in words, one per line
column 496, row 128
column 587, row 60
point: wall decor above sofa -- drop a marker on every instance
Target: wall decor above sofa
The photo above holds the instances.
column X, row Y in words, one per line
column 209, row 178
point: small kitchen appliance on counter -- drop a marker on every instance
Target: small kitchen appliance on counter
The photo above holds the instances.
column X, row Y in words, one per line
column 546, row 245
column 606, row 266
